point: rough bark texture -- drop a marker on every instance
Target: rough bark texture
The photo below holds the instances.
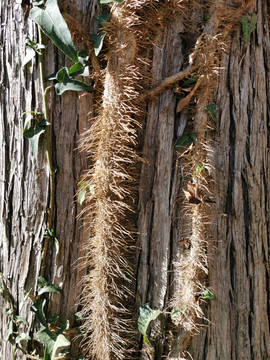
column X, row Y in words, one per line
column 239, row 269
column 25, row 181
column 239, row 249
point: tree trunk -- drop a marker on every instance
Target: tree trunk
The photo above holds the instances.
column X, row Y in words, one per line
column 25, row 181
column 217, row 240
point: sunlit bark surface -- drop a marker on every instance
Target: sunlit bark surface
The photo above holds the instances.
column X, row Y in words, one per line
column 238, row 248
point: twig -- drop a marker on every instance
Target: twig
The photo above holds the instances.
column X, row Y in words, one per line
column 183, row 102
column 169, row 81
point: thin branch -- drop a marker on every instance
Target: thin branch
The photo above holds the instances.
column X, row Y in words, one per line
column 183, row 102
column 169, row 81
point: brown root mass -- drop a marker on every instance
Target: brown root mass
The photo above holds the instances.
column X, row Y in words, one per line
column 110, row 210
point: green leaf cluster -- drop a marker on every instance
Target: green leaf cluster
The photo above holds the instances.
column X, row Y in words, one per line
column 211, row 109
column 49, row 18
column 44, row 286
column 146, row 316
column 33, row 132
column 31, row 49
column 200, row 168
column 50, row 233
column 53, row 340
column 14, row 321
column 98, row 42
column 186, row 139
column 207, row 294
column 66, row 82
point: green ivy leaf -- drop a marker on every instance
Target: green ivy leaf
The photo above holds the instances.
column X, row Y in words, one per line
column 47, row 287
column 52, row 23
column 211, row 109
column 103, row 18
column 22, row 337
column 186, row 139
column 64, row 327
column 38, row 309
column 207, row 294
column 175, row 313
column 64, row 351
column 52, row 342
column 50, row 233
column 248, row 27
column 33, row 134
column 65, row 83
column 79, row 316
column 146, row 316
column 183, row 141
column 98, row 42
column 29, row 55
column 48, row 338
column 200, row 168
column 51, row 319
column 193, row 136
column 189, row 81
column 78, row 70
column 84, row 189
column 31, row 48
column 39, row 2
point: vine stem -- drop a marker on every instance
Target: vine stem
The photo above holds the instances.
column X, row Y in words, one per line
column 168, row 82
column 48, row 140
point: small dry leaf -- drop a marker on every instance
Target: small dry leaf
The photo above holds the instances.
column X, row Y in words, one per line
column 184, row 102
column 194, row 195
column 191, row 198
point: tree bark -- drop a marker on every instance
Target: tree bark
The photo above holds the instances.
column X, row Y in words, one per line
column 24, row 182
column 239, row 265
column 237, row 325
column 238, row 245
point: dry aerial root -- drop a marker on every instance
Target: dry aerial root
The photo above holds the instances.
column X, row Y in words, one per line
column 111, row 202
column 112, row 179
column 190, row 268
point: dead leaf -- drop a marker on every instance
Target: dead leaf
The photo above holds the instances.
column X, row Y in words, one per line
column 194, row 195
column 184, row 102
column 191, row 198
